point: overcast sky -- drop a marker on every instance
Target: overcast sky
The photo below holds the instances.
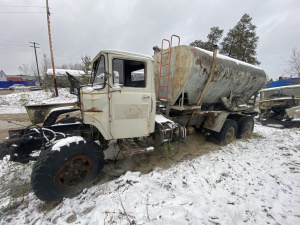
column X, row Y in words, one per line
column 86, row 27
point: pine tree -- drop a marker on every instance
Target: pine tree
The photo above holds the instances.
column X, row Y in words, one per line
column 241, row 41
column 199, row 44
column 213, row 38
column 86, row 61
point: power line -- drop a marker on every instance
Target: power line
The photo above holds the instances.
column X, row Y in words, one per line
column 12, row 41
column 22, row 12
column 39, row 53
column 18, row 46
column 23, row 6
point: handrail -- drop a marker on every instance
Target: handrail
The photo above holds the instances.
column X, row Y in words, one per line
column 172, row 39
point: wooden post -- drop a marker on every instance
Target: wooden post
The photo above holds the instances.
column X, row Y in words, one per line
column 51, row 52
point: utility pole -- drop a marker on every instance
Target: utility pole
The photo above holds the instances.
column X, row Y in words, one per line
column 37, row 64
column 51, row 52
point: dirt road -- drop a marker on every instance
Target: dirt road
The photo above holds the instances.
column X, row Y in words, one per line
column 9, row 121
column 5, row 91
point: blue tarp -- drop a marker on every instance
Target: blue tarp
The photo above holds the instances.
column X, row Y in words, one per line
column 7, row 84
column 284, row 82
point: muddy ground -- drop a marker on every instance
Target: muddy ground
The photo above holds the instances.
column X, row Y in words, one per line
column 11, row 121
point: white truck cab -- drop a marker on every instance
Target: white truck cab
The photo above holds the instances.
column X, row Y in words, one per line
column 121, row 101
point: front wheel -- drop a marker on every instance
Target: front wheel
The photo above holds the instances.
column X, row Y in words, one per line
column 67, row 167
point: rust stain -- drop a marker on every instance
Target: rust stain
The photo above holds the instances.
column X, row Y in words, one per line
column 210, row 122
column 194, row 51
column 148, row 124
column 182, row 68
column 94, row 109
column 198, row 62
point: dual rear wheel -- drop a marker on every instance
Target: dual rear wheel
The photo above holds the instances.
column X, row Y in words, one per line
column 231, row 130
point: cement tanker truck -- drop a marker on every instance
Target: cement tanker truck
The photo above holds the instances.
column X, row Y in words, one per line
column 140, row 101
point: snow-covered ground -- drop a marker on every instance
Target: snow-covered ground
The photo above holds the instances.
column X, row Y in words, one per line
column 255, row 181
column 14, row 103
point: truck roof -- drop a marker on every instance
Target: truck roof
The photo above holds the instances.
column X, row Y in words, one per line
column 284, row 82
column 281, row 87
column 125, row 53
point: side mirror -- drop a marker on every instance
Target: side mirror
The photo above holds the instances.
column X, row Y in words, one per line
column 74, row 84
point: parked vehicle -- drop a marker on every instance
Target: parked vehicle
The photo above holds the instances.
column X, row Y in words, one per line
column 22, row 87
column 18, row 87
column 280, row 105
column 35, row 88
column 141, row 102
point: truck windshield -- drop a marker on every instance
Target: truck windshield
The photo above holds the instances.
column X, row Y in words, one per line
column 98, row 73
column 281, row 93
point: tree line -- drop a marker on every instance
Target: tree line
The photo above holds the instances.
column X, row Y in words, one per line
column 46, row 64
column 85, row 66
column 241, row 42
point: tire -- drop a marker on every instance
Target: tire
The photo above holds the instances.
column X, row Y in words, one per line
column 65, row 172
column 245, row 127
column 157, row 136
column 227, row 133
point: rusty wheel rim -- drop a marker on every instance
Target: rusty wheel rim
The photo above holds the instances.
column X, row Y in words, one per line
column 74, row 172
column 230, row 135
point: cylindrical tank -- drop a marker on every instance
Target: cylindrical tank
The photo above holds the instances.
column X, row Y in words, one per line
column 190, row 68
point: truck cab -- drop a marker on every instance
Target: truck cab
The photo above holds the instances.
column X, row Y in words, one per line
column 276, row 102
column 121, row 101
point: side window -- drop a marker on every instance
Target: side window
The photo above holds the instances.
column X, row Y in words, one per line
column 289, row 92
column 99, row 70
column 129, row 73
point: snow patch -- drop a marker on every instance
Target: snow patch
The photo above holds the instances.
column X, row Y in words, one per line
column 219, row 56
column 161, row 119
column 67, row 141
column 14, row 103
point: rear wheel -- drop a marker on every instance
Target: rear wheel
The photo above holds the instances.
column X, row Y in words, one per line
column 64, row 171
column 245, row 127
column 227, row 133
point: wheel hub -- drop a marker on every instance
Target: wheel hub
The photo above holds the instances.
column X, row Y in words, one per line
column 74, row 172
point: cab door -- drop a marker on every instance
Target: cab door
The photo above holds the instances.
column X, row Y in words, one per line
column 131, row 97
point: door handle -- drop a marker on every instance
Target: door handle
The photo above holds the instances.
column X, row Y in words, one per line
column 146, row 96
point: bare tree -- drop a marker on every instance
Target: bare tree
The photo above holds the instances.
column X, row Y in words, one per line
column 33, row 71
column 293, row 63
column 71, row 66
column 24, row 69
column 46, row 64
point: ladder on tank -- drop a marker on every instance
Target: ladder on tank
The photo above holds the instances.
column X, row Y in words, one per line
column 165, row 61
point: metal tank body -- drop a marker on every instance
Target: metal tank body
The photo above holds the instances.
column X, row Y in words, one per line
column 190, row 68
